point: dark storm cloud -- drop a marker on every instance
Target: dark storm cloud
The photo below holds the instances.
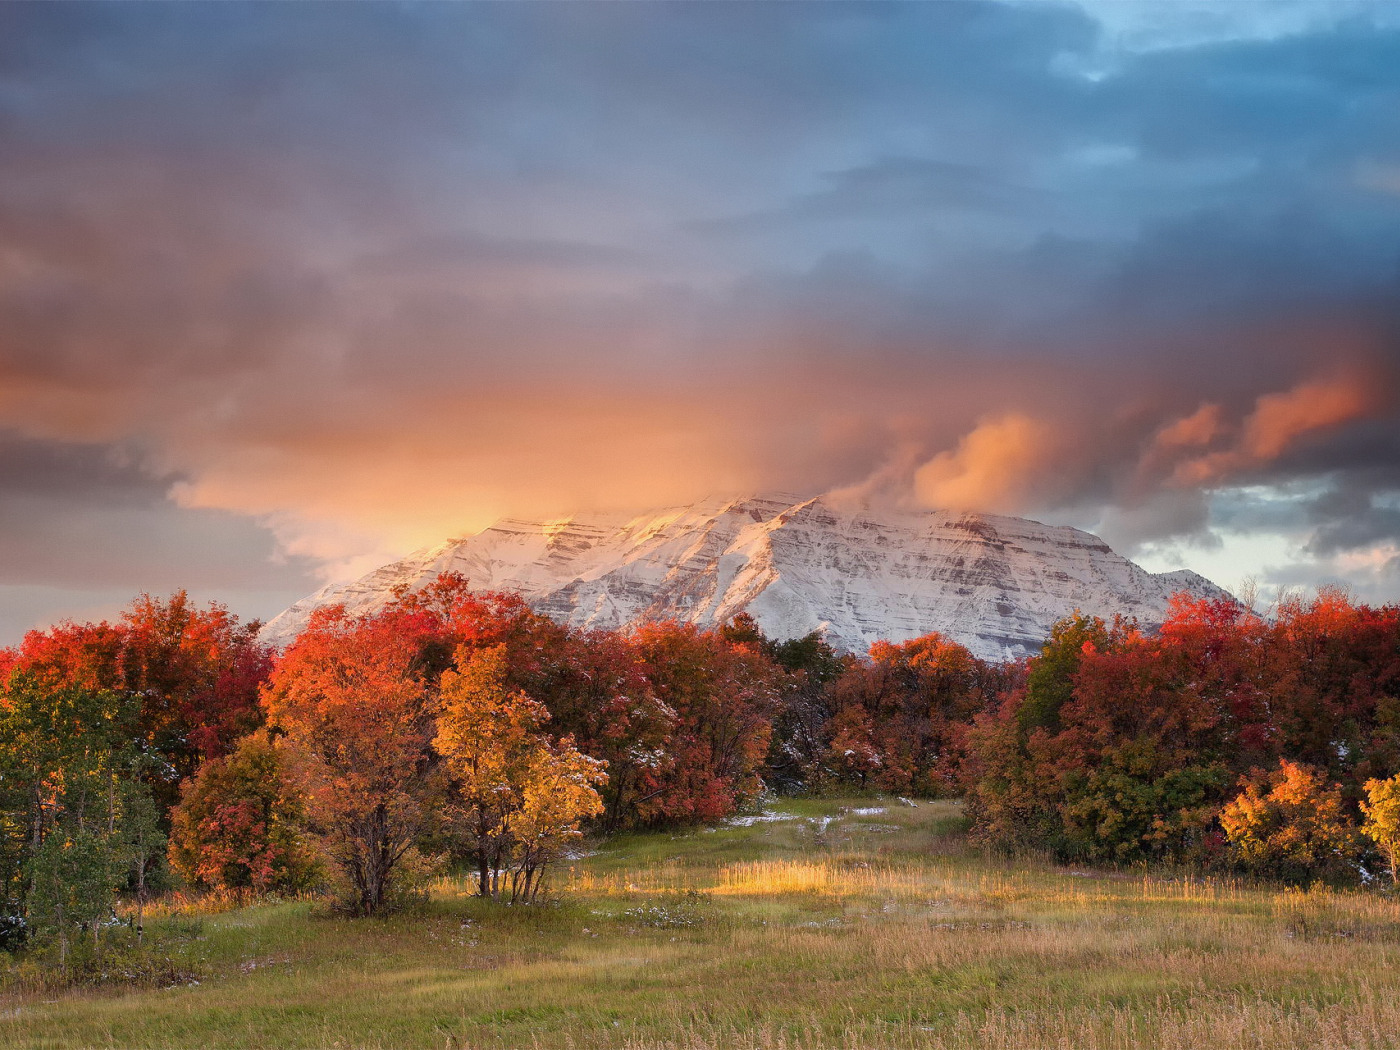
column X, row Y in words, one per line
column 84, row 527
column 84, row 515
column 375, row 273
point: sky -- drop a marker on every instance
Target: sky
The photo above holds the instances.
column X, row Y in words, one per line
column 288, row 290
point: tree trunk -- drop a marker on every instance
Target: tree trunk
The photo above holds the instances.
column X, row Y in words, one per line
column 482, row 857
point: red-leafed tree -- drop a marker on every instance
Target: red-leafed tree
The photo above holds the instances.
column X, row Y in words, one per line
column 193, row 671
column 237, row 825
column 899, row 717
column 356, row 712
column 723, row 695
column 596, row 688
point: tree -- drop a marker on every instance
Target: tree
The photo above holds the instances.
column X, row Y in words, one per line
column 908, row 706
column 1381, row 808
column 73, row 805
column 797, row 751
column 723, row 695
column 1050, row 683
column 358, row 725
column 193, row 673
column 236, row 828
column 595, row 686
column 521, row 796
column 559, row 789
column 140, row 847
column 1290, row 822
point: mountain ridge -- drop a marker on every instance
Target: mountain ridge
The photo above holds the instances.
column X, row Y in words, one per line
column 991, row 582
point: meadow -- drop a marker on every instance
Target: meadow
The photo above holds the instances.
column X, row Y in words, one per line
column 848, row 922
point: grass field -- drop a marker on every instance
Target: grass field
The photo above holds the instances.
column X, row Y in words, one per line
column 855, row 922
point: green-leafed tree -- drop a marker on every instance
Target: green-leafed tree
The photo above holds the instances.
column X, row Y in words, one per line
column 75, row 811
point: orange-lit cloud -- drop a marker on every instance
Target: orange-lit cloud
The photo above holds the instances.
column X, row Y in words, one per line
column 1277, row 421
column 1201, row 427
column 359, row 280
column 1004, row 465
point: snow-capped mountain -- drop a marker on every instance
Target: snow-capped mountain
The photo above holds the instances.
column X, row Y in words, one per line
column 993, row 583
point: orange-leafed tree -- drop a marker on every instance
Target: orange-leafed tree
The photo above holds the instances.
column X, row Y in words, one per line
column 357, row 720
column 917, row 698
column 1290, row 822
column 521, row 797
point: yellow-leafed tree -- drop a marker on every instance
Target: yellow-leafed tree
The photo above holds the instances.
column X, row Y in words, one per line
column 1382, row 824
column 520, row 796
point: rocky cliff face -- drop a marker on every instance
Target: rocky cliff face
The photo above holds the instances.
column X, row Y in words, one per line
column 993, row 583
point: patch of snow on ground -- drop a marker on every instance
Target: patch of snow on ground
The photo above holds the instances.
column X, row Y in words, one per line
column 868, row 811
column 756, row 818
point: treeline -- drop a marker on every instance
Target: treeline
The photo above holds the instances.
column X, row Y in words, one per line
column 1223, row 740
column 461, row 728
column 451, row 727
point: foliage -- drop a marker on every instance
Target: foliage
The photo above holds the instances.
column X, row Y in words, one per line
column 797, row 751
column 1381, row 808
column 236, row 827
column 899, row 718
column 520, row 795
column 1050, row 684
column 357, row 721
column 193, row 674
column 76, row 816
column 596, row 688
column 1125, row 746
column 723, row 694
column 1291, row 823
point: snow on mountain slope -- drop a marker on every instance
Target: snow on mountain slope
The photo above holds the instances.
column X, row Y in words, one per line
column 993, row 583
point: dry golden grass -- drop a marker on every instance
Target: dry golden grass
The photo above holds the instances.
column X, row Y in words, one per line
column 834, row 928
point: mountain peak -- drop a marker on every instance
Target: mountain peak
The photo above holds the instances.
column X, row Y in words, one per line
column 797, row 564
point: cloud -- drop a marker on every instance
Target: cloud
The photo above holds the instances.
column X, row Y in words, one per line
column 1201, row 427
column 348, row 284
column 1006, row 464
column 86, row 527
column 1276, row 423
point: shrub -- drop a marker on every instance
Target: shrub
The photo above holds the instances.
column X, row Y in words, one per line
column 235, row 827
column 1291, row 823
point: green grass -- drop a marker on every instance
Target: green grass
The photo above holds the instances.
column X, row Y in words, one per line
column 828, row 928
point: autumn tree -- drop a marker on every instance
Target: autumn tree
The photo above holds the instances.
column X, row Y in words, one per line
column 521, row 796
column 899, row 717
column 357, row 720
column 723, row 694
column 1290, row 822
column 193, row 673
column 596, row 688
column 1381, row 808
column 236, row 827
